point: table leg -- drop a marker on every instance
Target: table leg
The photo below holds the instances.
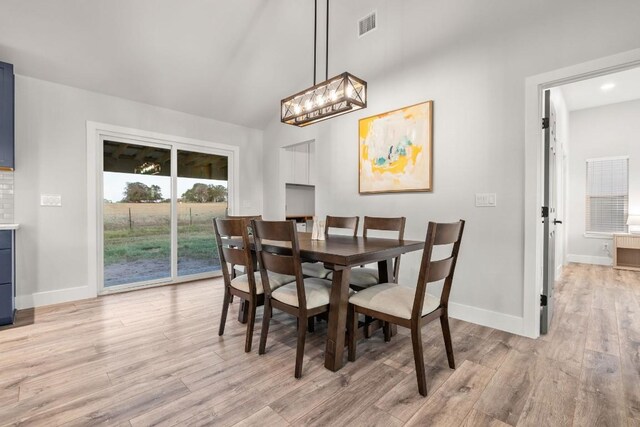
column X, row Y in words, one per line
column 385, row 271
column 243, row 311
column 385, row 275
column 337, row 320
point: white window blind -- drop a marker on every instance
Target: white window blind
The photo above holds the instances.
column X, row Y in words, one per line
column 607, row 201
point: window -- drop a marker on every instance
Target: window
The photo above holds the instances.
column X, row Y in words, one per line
column 607, row 196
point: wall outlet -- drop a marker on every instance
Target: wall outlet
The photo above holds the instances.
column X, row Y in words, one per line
column 50, row 200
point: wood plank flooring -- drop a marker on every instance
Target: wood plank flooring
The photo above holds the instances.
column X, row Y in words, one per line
column 153, row 357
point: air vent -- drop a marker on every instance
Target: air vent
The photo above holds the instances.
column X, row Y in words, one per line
column 367, row 24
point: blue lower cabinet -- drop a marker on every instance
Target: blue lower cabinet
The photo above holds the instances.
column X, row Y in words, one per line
column 6, row 304
column 7, row 277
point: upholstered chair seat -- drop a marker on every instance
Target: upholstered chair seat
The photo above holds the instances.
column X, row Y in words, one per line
column 275, row 281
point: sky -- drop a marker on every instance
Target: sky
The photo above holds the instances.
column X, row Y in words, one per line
column 115, row 183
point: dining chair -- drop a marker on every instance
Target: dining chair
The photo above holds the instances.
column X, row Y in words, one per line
column 234, row 247
column 316, row 269
column 413, row 308
column 238, row 271
column 363, row 277
column 304, row 298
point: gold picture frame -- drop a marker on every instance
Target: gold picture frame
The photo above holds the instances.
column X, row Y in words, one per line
column 395, row 151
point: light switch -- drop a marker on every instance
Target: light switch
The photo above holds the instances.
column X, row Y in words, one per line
column 486, row 199
column 50, row 200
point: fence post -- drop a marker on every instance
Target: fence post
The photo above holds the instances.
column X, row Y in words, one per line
column 190, row 219
column 130, row 222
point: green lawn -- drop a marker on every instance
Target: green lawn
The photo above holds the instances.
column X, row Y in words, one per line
column 195, row 241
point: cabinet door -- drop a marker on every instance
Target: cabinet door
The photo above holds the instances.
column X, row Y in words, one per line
column 6, row 304
column 6, row 115
column 312, row 163
column 301, row 164
column 6, row 266
column 286, row 165
column 5, row 239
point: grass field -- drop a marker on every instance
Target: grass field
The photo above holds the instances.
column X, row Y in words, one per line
column 134, row 232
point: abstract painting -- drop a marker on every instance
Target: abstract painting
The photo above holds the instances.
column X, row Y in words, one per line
column 396, row 150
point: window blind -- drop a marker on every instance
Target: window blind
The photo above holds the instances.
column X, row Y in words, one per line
column 607, row 195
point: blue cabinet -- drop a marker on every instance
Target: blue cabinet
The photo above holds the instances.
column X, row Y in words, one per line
column 7, row 90
column 7, row 277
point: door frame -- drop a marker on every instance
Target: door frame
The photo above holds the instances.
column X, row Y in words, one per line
column 96, row 133
column 534, row 168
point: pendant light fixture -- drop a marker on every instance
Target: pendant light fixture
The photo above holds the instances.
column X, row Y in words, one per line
column 334, row 96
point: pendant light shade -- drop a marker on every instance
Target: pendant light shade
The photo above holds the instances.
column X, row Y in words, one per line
column 334, row 96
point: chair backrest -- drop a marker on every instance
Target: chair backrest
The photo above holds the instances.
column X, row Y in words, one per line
column 348, row 222
column 234, row 247
column 386, row 224
column 283, row 258
column 443, row 269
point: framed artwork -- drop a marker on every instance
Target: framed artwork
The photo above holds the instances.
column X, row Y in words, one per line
column 396, row 150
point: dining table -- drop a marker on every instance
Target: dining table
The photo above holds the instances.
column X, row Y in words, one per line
column 340, row 253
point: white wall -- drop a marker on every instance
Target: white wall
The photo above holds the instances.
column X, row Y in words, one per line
column 607, row 131
column 51, row 134
column 477, row 84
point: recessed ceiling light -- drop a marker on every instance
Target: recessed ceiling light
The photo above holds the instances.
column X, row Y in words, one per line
column 607, row 86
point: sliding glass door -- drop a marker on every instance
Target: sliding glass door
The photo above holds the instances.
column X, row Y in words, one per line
column 159, row 201
column 202, row 195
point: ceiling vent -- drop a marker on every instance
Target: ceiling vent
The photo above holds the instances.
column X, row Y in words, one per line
column 367, row 24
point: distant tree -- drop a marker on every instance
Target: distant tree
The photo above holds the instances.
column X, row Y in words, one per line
column 218, row 193
column 137, row 192
column 203, row 193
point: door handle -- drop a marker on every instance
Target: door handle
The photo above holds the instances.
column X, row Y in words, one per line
column 555, row 221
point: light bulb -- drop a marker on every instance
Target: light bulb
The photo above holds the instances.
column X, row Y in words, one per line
column 308, row 104
column 320, row 100
column 333, row 95
column 297, row 108
column 349, row 91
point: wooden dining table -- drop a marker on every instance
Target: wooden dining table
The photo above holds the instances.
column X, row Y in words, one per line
column 339, row 254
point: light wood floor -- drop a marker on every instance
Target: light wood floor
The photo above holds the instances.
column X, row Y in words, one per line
column 153, row 357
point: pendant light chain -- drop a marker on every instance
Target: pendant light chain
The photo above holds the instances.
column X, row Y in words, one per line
column 326, row 61
column 315, row 37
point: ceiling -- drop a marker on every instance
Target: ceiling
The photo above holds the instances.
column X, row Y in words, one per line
column 231, row 60
column 603, row 90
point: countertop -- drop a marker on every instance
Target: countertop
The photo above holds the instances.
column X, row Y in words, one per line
column 9, row 226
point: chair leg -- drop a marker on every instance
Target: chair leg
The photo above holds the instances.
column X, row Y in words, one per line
column 302, row 333
column 243, row 311
column 416, row 339
column 367, row 326
column 446, row 333
column 311, row 325
column 352, row 331
column 387, row 331
column 225, row 309
column 250, row 324
column 266, row 319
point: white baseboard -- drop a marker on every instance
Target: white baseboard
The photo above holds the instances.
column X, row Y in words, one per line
column 589, row 259
column 491, row 319
column 40, row 299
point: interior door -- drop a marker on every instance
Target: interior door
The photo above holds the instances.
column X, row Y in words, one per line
column 549, row 213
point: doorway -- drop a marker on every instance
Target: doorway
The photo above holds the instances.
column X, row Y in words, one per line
column 539, row 231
